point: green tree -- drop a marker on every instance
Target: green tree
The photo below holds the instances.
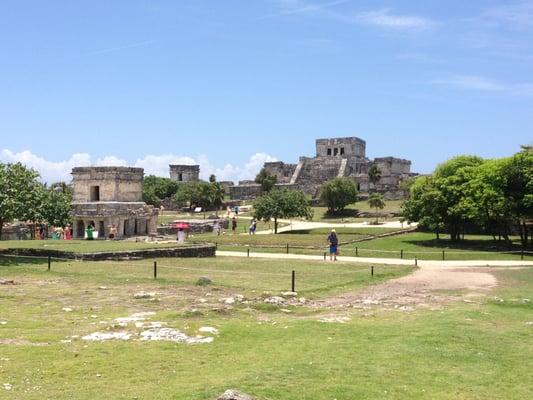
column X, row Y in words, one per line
column 438, row 202
column 217, row 195
column 156, row 189
column 375, row 200
column 282, row 203
column 20, row 194
column 337, row 193
column 266, row 180
column 56, row 207
column 374, row 174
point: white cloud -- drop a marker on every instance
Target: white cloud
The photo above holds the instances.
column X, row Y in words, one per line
column 516, row 15
column 385, row 19
column 471, row 82
column 50, row 171
column 53, row 171
column 480, row 83
column 382, row 18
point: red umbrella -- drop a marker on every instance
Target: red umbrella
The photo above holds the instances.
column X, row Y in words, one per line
column 180, row 225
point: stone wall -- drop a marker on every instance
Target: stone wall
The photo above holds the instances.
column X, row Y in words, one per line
column 130, row 218
column 107, row 184
column 392, row 165
column 282, row 171
column 245, row 192
column 183, row 250
column 316, row 171
column 184, row 173
column 342, row 147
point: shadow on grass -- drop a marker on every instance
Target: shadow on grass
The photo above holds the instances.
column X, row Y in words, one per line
column 6, row 261
column 346, row 213
column 470, row 244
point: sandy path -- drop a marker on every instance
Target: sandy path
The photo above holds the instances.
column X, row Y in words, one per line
column 419, row 289
column 383, row 261
column 305, row 225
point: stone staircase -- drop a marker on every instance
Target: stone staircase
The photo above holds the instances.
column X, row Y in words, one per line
column 296, row 173
column 342, row 168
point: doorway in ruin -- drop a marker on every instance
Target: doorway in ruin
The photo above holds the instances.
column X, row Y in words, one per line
column 95, row 193
column 80, row 232
column 101, row 229
column 126, row 227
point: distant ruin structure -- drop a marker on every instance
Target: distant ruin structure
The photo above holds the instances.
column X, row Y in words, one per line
column 184, row 173
column 335, row 157
column 103, row 196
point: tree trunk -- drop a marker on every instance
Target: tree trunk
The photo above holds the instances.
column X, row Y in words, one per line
column 1, row 227
column 275, row 225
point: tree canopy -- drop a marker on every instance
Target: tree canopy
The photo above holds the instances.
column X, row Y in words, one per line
column 282, row 203
column 266, row 180
column 337, row 193
column 23, row 197
column 467, row 192
column 375, row 200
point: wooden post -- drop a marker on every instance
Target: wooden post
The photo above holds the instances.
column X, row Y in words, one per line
column 293, row 285
column 356, row 251
column 49, row 262
column 401, row 254
column 248, row 252
column 155, row 269
column 324, row 256
column 287, row 248
column 372, row 270
column 416, row 262
column 442, row 255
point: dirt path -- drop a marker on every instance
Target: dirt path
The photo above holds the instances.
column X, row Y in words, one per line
column 305, row 225
column 383, row 261
column 430, row 286
column 422, row 289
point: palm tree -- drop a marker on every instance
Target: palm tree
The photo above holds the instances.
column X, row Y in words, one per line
column 374, row 174
column 375, row 200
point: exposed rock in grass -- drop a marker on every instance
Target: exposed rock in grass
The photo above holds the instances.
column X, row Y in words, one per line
column 334, row 320
column 8, row 386
column 204, row 281
column 172, row 335
column 228, row 300
column 101, row 336
column 144, row 295
column 208, row 329
column 7, row 282
column 233, row 394
column 141, row 316
column 289, row 294
column 274, row 300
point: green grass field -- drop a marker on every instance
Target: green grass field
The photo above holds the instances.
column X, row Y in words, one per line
column 479, row 350
column 422, row 245
column 83, row 246
column 314, row 237
column 350, row 212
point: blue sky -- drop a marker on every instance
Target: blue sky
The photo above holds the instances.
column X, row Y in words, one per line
column 231, row 84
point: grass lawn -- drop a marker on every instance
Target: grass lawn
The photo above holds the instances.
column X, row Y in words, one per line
column 464, row 351
column 313, row 237
column 422, row 245
column 83, row 246
column 350, row 212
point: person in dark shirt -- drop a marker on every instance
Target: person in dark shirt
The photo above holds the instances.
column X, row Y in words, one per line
column 333, row 241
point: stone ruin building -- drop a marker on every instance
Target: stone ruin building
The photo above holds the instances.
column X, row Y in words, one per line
column 184, row 173
column 111, row 195
column 335, row 157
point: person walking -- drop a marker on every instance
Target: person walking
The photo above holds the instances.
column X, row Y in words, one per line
column 112, row 231
column 333, row 241
column 234, row 225
column 68, row 233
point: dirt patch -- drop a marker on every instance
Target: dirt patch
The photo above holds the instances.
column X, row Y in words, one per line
column 424, row 288
column 20, row 342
